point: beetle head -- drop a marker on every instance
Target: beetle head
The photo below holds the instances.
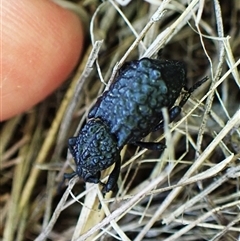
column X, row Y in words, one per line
column 94, row 150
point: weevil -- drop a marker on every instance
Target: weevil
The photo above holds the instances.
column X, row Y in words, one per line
column 127, row 112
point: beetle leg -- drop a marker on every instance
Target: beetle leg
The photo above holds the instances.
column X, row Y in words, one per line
column 176, row 110
column 67, row 176
column 93, row 178
column 155, row 146
column 113, row 177
column 189, row 91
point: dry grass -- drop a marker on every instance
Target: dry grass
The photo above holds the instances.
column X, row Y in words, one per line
column 191, row 191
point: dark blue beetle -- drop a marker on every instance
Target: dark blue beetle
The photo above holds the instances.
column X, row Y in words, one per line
column 126, row 113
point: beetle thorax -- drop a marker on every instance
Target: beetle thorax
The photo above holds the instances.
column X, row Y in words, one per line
column 97, row 148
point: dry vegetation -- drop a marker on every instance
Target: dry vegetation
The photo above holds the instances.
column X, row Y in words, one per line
column 191, row 191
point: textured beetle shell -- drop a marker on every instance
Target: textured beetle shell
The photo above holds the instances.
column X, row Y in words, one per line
column 95, row 149
column 131, row 108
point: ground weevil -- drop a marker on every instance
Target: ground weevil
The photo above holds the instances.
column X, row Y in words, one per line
column 128, row 111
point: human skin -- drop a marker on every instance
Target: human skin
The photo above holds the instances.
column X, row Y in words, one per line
column 40, row 45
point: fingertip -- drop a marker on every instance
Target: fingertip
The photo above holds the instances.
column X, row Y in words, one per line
column 41, row 44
